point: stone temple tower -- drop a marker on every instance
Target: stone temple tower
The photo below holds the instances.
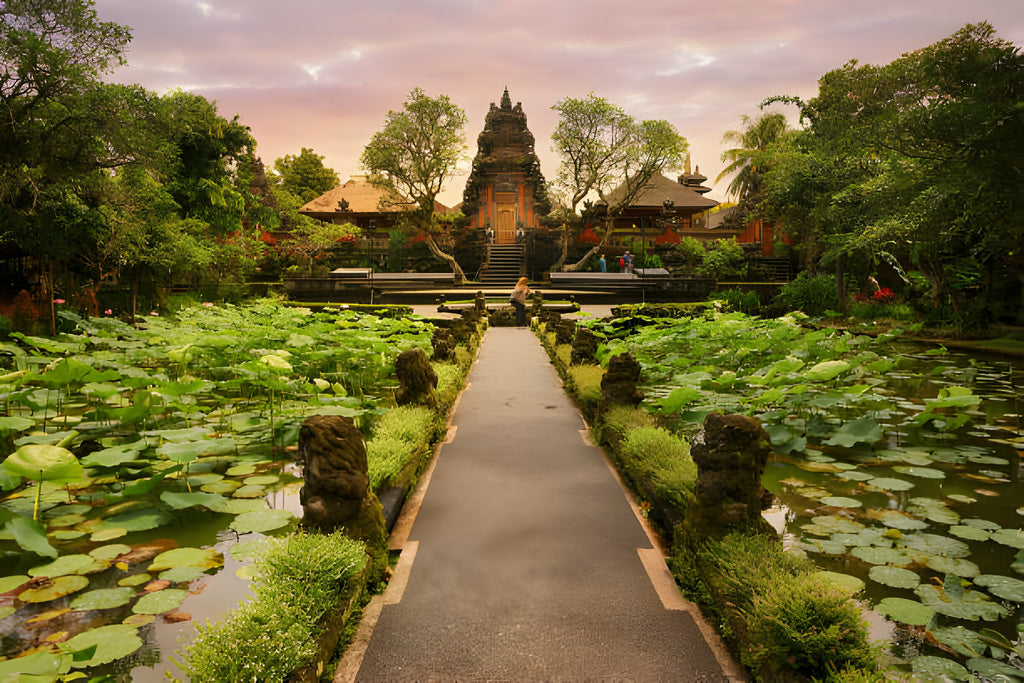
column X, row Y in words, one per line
column 506, row 189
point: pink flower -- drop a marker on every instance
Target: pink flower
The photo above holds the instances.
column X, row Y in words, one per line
column 58, row 301
column 108, row 312
column 208, row 304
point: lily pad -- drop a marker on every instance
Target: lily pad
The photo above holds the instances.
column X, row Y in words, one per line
column 1003, row 587
column 969, row 533
column 179, row 500
column 896, row 519
column 937, row 545
column 205, row 558
column 826, row 370
column 826, row 525
column 57, row 588
column 993, row 670
column 854, row 475
column 68, row 564
column 952, row 565
column 905, row 611
column 963, row 640
column 182, row 574
column 41, row 462
column 841, row 502
column 862, row 430
column 880, row 556
column 135, row 580
column 939, row 669
column 238, row 506
column 263, row 479
column 108, row 534
column 9, row 583
column 961, row 498
column 137, row 520
column 960, row 603
column 109, row 552
column 248, row 549
column 896, row 577
column 103, row 598
column 891, row 484
column 112, row 642
column 224, row 486
column 264, row 520
column 1013, row 538
column 240, row 470
column 845, row 582
column 920, row 472
column 160, row 601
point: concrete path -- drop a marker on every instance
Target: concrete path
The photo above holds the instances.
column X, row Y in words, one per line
column 526, row 560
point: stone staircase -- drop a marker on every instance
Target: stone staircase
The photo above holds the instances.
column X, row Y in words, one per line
column 504, row 265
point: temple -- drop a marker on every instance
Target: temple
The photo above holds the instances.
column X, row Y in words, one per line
column 505, row 192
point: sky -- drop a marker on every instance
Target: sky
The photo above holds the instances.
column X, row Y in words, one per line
column 323, row 74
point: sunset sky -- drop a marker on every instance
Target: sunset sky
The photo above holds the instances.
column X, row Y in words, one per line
column 324, row 73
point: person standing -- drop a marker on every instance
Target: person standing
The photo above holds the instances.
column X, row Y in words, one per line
column 602, row 265
column 518, row 300
column 629, row 262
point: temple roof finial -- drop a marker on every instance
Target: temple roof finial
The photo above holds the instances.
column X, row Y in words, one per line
column 506, row 101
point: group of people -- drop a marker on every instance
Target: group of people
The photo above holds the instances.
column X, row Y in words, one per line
column 625, row 263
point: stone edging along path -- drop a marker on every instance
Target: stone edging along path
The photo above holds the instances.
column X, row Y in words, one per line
column 522, row 556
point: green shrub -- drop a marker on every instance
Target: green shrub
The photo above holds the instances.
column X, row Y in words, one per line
column 738, row 300
column 691, row 251
column 812, row 295
column 411, row 424
column 808, row 626
column 585, row 383
column 725, row 259
column 298, row 580
column 397, row 436
column 694, row 309
column 449, row 383
column 385, row 458
column 662, row 457
column 619, row 420
column 563, row 355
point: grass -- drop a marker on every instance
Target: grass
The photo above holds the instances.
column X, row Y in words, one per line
column 397, row 436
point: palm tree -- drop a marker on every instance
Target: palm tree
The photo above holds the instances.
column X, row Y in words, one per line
column 760, row 133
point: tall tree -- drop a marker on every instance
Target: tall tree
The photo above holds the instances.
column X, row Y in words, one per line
column 413, row 157
column 608, row 155
column 304, row 174
column 750, row 144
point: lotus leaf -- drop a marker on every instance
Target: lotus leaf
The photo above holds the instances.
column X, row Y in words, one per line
column 862, row 430
column 263, row 520
column 969, row 533
column 202, row 479
column 11, row 423
column 952, row 565
column 824, row 546
column 204, row 558
column 933, row 509
column 68, row 564
column 248, row 549
column 109, row 552
column 993, row 670
column 956, row 602
column 66, row 520
column 1013, row 538
column 826, row 525
column 879, row 556
column 826, row 370
column 249, row 491
column 276, row 363
column 57, row 588
column 135, row 580
column 238, row 506
column 112, row 642
column 137, row 520
column 115, row 455
column 896, row 519
column 896, row 577
column 921, row 472
column 44, row 462
column 937, row 545
column 905, row 611
column 979, row 459
column 937, row 668
column 10, row 583
column 240, row 470
column 841, row 502
column 848, row 584
column 891, row 484
column 263, row 479
column 981, row 524
column 1003, row 587
column 854, row 475
column 181, row 500
column 963, row 640
column 182, row 574
column 160, row 601
column 67, row 534
column 222, row 487
column 103, row 598
column 108, row 534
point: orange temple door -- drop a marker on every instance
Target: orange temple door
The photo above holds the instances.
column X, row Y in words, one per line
column 506, row 215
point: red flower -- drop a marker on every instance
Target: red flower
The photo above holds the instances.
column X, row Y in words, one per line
column 885, row 296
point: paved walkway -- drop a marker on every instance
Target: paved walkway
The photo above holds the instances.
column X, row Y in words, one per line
column 523, row 559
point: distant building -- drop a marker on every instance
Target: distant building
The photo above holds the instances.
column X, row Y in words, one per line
column 367, row 207
column 505, row 190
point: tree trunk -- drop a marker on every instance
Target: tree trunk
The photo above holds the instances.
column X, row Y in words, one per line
column 841, row 285
column 609, row 224
column 460, row 276
column 53, row 312
column 557, row 265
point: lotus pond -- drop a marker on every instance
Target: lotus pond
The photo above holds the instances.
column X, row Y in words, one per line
column 143, row 467
column 896, row 468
